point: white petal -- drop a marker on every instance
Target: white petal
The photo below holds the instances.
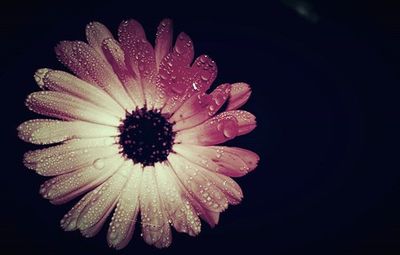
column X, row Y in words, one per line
column 64, row 82
column 67, row 107
column 103, row 201
column 70, row 156
column 198, row 184
column 65, row 187
column 123, row 221
column 47, row 131
column 155, row 227
column 181, row 213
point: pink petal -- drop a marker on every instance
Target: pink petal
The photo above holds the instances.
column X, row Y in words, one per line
column 65, row 187
column 229, row 161
column 123, row 221
column 216, row 130
column 184, row 50
column 70, row 156
column 96, row 33
column 103, row 201
column 163, row 40
column 199, row 108
column 155, row 227
column 89, row 65
column 116, row 57
column 64, row 82
column 67, row 107
column 198, row 185
column 141, row 60
column 46, row 131
column 240, row 94
column 180, row 212
column 190, row 81
column 206, row 72
column 246, row 121
column 176, row 79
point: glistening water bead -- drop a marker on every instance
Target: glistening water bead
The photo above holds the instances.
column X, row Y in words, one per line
column 146, row 136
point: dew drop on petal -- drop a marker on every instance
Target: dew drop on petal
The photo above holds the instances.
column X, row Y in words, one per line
column 98, row 163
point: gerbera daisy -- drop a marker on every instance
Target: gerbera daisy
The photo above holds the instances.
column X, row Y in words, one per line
column 136, row 131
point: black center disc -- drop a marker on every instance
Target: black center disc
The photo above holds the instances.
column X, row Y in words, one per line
column 146, row 137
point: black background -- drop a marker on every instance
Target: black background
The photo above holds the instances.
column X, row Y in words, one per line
column 322, row 94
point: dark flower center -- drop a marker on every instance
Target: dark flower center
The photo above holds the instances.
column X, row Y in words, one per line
column 146, row 136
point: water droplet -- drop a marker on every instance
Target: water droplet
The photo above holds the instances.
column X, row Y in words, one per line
column 205, row 77
column 195, row 87
column 98, row 163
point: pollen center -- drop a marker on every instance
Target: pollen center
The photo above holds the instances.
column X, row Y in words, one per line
column 146, row 136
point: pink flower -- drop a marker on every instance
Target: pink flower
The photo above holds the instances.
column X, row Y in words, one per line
column 136, row 132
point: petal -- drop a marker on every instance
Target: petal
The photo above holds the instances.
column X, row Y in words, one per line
column 116, row 57
column 176, row 79
column 196, row 79
column 67, row 107
column 141, row 60
column 216, row 130
column 246, row 121
column 155, row 226
column 64, row 82
column 69, row 221
column 46, row 131
column 227, row 185
column 96, row 33
column 240, row 93
column 123, row 221
column 65, row 187
column 205, row 73
column 103, row 201
column 180, row 212
column 184, row 49
column 70, row 156
column 230, row 161
column 89, row 65
column 198, row 184
column 199, row 108
column 163, row 40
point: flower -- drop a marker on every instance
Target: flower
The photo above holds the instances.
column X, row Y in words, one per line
column 136, row 132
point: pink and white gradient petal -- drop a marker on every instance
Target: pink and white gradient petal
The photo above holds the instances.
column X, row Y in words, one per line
column 96, row 33
column 141, row 60
column 240, row 94
column 230, row 161
column 200, row 108
column 116, row 57
column 216, row 130
column 90, row 66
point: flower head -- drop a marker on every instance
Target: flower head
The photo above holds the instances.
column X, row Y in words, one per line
column 136, row 133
